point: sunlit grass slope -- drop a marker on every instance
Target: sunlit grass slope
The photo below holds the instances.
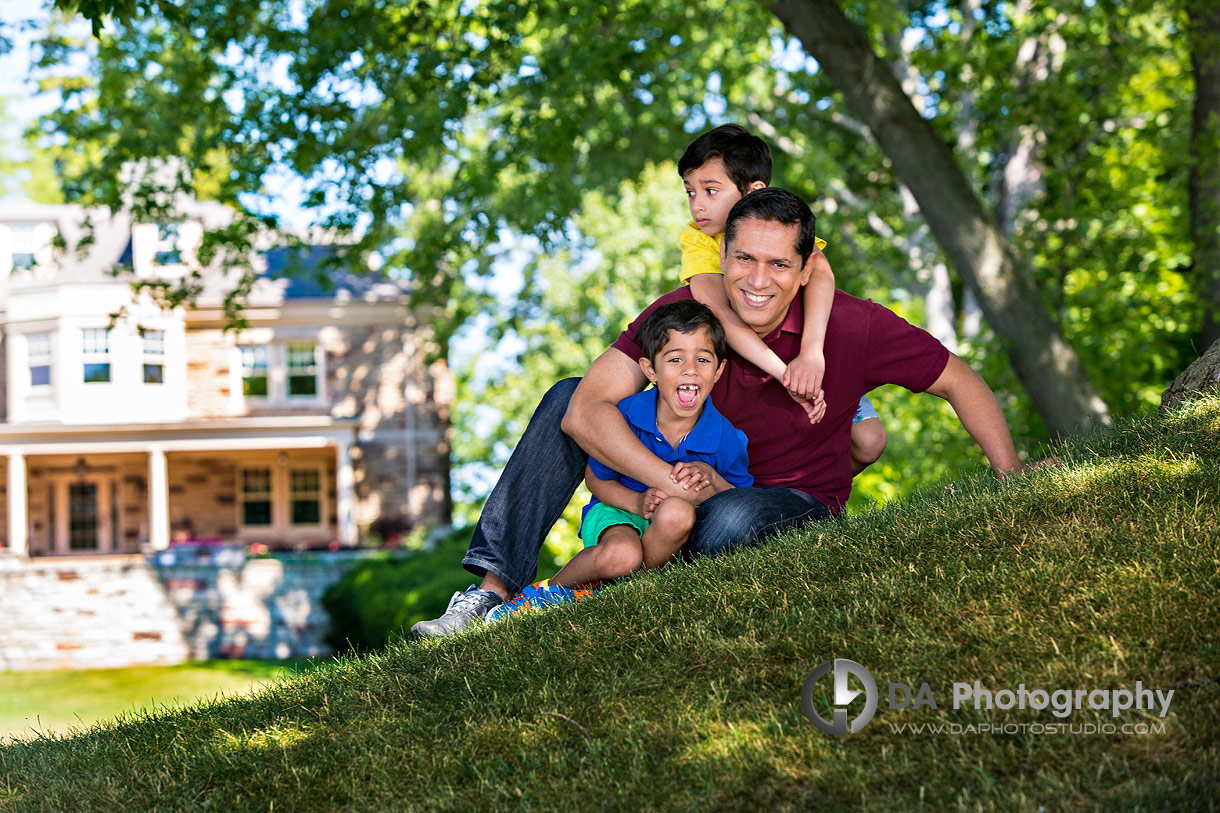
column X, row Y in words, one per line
column 680, row 690
column 41, row 702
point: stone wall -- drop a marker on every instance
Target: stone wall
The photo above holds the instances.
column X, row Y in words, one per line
column 209, row 355
column 378, row 375
column 189, row 602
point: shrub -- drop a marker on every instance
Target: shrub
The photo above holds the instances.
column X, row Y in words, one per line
column 380, row 599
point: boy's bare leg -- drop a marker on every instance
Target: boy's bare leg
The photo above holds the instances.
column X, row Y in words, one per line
column 617, row 553
column 868, row 440
column 672, row 523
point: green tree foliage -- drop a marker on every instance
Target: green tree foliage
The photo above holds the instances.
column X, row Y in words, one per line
column 436, row 129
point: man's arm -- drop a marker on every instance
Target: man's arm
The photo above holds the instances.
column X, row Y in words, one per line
column 593, row 421
column 978, row 410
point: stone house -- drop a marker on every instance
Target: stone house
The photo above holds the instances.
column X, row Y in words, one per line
column 322, row 422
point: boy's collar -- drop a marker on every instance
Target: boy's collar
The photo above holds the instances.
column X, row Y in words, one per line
column 703, row 437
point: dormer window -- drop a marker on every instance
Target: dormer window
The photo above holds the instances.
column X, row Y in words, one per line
column 154, row 355
column 167, row 245
column 38, row 353
column 96, row 349
column 28, row 241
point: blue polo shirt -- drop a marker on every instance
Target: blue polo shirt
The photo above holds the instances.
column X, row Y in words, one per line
column 713, row 440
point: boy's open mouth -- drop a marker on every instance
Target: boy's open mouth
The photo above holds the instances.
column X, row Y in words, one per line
column 688, row 395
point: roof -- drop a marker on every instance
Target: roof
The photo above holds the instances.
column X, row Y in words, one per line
column 313, row 272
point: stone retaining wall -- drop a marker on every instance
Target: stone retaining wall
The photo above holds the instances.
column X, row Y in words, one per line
column 165, row 608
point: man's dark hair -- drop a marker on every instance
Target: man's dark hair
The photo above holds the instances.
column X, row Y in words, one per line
column 746, row 157
column 684, row 316
column 777, row 206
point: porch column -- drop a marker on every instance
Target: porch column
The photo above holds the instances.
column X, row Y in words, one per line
column 345, row 494
column 158, row 499
column 18, row 520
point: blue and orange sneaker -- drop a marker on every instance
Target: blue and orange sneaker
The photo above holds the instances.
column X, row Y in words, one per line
column 535, row 596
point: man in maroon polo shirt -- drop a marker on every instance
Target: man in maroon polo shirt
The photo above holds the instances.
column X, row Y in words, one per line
column 802, row 472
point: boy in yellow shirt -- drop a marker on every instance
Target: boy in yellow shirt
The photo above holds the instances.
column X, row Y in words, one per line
column 718, row 169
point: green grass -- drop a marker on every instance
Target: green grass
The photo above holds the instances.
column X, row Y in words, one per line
column 680, row 690
column 35, row 703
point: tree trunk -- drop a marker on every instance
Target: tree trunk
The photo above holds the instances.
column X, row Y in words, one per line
column 1201, row 377
column 1044, row 361
column 1204, row 36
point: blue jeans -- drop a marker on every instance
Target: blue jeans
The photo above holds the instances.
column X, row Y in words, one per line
column 546, row 467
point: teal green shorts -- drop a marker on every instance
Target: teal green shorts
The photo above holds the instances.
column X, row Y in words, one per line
column 602, row 516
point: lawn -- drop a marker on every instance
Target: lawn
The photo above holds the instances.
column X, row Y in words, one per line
column 681, row 689
column 55, row 702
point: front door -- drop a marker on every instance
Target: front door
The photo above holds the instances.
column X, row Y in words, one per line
column 84, row 517
column 88, row 515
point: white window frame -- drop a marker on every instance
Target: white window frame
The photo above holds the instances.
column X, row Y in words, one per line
column 25, row 242
column 96, row 352
column 246, row 352
column 278, row 356
column 169, row 239
column 152, row 342
column 280, row 496
column 243, row 497
column 40, row 352
column 313, row 368
column 319, row 494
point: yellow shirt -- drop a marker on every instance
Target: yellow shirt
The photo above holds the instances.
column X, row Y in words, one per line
column 701, row 254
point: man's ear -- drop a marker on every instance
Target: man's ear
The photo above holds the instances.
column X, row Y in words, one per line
column 646, row 366
column 755, row 186
column 719, row 370
column 807, row 271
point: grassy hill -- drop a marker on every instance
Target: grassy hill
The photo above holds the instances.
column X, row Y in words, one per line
column 680, row 690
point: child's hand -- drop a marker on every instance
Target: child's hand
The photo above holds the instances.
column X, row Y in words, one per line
column 815, row 409
column 692, row 475
column 649, row 501
column 803, row 376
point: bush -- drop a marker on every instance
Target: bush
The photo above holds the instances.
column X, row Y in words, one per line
column 379, row 600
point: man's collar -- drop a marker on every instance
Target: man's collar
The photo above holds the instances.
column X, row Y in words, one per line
column 704, row 437
column 794, row 320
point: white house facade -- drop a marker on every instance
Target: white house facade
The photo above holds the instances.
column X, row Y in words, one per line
column 323, row 422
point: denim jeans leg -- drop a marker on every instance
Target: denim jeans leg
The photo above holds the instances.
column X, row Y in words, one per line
column 530, row 496
column 746, row 516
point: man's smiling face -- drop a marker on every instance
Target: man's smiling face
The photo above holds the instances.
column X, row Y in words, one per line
column 762, row 272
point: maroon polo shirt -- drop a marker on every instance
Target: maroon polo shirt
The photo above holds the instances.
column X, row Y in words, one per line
column 866, row 345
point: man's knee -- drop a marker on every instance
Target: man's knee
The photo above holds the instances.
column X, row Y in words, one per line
column 746, row 516
column 558, row 396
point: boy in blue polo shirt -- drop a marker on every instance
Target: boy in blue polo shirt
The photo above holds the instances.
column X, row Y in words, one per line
column 628, row 526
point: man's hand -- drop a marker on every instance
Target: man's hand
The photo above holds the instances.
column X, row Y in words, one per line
column 692, row 475
column 649, row 501
column 803, row 375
